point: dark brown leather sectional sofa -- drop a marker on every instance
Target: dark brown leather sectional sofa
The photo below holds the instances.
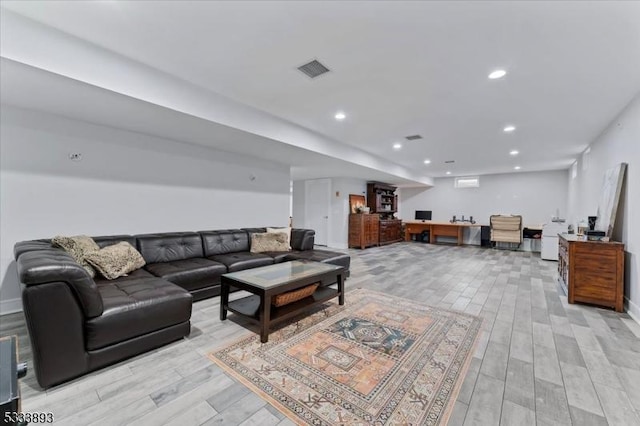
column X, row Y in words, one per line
column 78, row 324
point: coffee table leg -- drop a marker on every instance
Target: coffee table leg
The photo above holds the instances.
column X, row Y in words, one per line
column 265, row 318
column 341, row 289
column 224, row 300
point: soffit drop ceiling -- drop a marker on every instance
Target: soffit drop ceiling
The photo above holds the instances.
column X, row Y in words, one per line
column 397, row 68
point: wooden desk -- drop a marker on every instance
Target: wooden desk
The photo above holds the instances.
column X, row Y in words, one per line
column 437, row 229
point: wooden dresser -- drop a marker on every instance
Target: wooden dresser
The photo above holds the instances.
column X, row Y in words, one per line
column 591, row 271
column 390, row 231
column 364, row 230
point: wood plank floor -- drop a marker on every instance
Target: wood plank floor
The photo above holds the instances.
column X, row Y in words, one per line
column 539, row 360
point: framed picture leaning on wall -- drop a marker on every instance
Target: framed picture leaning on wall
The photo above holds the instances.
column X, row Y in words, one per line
column 356, row 202
column 609, row 199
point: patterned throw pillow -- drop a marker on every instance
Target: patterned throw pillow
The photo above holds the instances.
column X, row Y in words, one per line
column 78, row 247
column 116, row 260
column 275, row 241
column 286, row 231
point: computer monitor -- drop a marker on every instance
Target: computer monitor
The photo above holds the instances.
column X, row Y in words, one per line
column 423, row 215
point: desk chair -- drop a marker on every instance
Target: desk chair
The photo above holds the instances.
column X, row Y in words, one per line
column 506, row 229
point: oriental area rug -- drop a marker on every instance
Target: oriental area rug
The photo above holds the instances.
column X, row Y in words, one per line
column 377, row 360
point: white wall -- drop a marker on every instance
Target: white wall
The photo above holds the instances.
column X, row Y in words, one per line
column 340, row 190
column 534, row 195
column 298, row 204
column 126, row 183
column 338, row 209
column 618, row 143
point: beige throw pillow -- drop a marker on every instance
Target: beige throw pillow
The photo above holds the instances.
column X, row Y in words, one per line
column 286, row 231
column 116, row 260
column 275, row 241
column 78, row 247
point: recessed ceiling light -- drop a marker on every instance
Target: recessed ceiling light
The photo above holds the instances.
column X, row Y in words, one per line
column 427, row 161
column 397, row 145
column 340, row 115
column 509, row 128
column 497, row 74
column 514, row 152
column 517, row 167
column 448, row 173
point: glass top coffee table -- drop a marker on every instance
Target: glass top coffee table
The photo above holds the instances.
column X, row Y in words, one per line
column 272, row 280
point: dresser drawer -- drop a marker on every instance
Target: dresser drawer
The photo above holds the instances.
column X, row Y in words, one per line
column 591, row 292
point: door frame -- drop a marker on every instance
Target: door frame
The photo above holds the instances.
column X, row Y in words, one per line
column 307, row 206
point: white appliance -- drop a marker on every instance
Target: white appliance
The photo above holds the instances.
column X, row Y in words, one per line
column 550, row 231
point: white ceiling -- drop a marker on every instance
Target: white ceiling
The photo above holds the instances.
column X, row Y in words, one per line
column 398, row 68
column 25, row 87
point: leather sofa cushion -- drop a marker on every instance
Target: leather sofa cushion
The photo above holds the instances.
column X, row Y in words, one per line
column 158, row 248
column 190, row 274
column 135, row 275
column 224, row 241
column 133, row 307
column 243, row 260
column 255, row 231
column 279, row 256
column 324, row 256
column 109, row 240
column 302, row 239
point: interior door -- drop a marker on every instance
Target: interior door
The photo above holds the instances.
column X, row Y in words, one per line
column 316, row 208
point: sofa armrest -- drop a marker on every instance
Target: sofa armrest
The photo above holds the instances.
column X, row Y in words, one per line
column 56, row 330
column 31, row 245
column 302, row 239
column 47, row 266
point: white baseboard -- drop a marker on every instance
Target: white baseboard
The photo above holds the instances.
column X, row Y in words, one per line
column 10, row 306
column 633, row 310
column 336, row 245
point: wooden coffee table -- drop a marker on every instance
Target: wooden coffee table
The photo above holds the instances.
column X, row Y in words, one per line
column 268, row 281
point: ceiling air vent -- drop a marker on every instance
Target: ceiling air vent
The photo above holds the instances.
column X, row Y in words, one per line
column 413, row 137
column 449, row 161
column 313, row 69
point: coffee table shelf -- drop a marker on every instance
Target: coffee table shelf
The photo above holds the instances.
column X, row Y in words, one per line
column 250, row 306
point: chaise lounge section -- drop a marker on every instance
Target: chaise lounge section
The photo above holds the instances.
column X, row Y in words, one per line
column 78, row 324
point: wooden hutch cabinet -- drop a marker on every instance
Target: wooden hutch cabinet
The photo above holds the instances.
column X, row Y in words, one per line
column 382, row 199
column 364, row 230
column 591, row 271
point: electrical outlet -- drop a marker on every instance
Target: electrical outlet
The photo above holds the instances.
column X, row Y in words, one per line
column 75, row 156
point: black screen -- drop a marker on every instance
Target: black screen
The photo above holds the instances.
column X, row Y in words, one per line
column 423, row 214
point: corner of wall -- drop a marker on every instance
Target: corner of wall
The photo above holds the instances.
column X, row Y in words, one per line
column 633, row 310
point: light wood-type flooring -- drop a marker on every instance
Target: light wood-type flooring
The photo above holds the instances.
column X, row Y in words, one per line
column 538, row 361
